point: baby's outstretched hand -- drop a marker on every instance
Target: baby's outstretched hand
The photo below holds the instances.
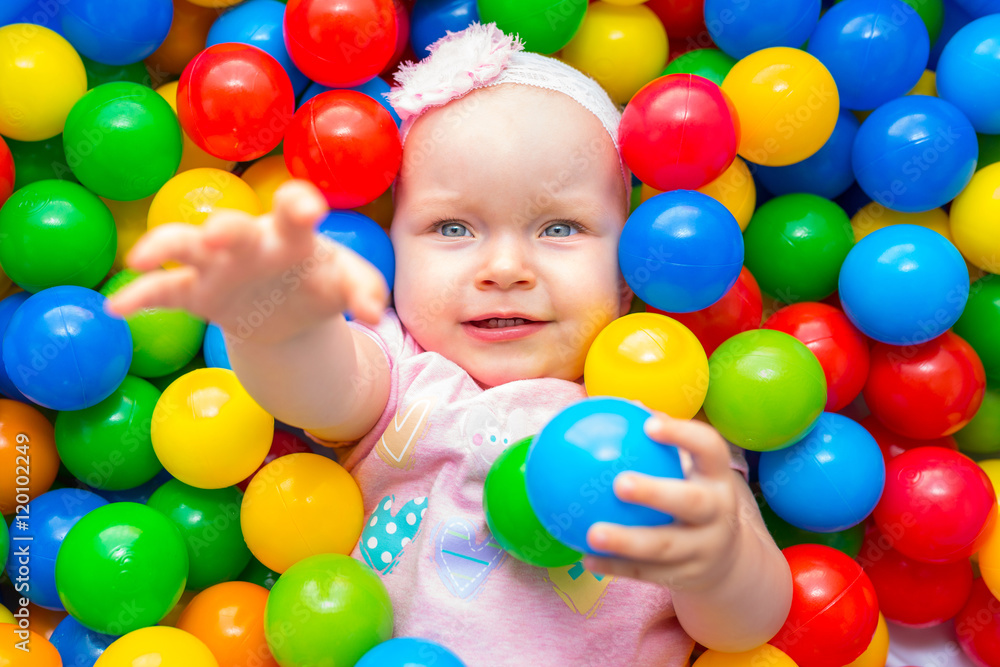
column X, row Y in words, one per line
column 701, row 544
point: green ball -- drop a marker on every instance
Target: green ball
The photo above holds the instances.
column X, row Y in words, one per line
column 785, row 535
column 99, row 73
column 164, row 381
column 979, row 324
column 108, row 446
column 122, row 141
column 39, row 161
column 989, row 150
column 327, row 609
column 4, row 543
column 56, row 233
column 932, row 14
column 509, row 515
column 257, row 573
column 209, row 521
column 765, row 390
column 794, row 247
column 545, row 26
column 711, row 64
column 121, row 567
column 163, row 340
column 982, row 434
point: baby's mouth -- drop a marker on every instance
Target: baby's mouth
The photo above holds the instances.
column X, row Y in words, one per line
column 499, row 323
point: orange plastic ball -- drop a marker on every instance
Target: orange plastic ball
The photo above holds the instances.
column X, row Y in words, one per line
column 265, row 176
column 28, row 458
column 229, row 619
column 37, row 651
column 186, row 39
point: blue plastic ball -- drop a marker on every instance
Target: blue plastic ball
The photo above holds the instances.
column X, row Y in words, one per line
column 968, row 74
column 45, row 13
column 373, row 88
column 828, row 481
column 259, row 23
column 876, row 50
column 409, row 652
column 364, row 236
column 904, row 285
column 979, row 8
column 50, row 516
column 915, row 153
column 11, row 10
column 116, row 32
column 681, row 251
column 573, row 461
column 430, row 20
column 827, row 173
column 739, row 27
column 955, row 18
column 7, row 308
column 63, row 351
column 214, row 348
column 78, row 645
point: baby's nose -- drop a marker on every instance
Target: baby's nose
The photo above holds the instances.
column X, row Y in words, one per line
column 506, row 266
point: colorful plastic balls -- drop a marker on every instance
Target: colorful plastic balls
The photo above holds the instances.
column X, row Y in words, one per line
column 265, row 176
column 340, row 43
column 734, row 189
column 681, row 251
column 312, row 495
column 982, row 434
column 116, row 32
column 915, row 153
column 763, row 655
column 258, row 573
column 85, row 354
column 192, row 155
column 623, row 48
column 39, row 160
column 795, row 246
column 595, row 439
column 834, row 610
column 373, row 88
column 322, row 592
column 186, row 39
column 925, row 391
column 893, row 444
column 827, row 173
column 878, row 649
column 409, row 652
column 787, row 102
column 24, row 431
column 968, row 74
column 160, row 646
column 41, row 654
column 786, row 535
column 347, row 144
column 873, row 217
column 431, row 20
column 209, row 522
column 741, row 28
column 509, row 515
column 840, row 348
column 711, row 64
column 235, row 101
column 56, row 233
column 229, row 619
column 41, row 78
column 530, row 20
column 214, row 348
column 364, row 236
column 652, row 359
column 975, row 220
column 766, row 391
column 903, row 285
column 207, row 430
column 978, row 626
column 191, row 196
column 77, row 644
column 283, row 444
column 121, row 567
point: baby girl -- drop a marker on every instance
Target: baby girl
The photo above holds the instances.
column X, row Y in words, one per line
column 508, row 210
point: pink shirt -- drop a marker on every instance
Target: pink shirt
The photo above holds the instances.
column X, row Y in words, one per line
column 421, row 472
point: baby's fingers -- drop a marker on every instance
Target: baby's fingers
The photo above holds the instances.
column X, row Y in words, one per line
column 159, row 289
column 709, row 451
column 365, row 289
column 176, row 242
column 231, row 230
column 664, row 545
column 298, row 207
column 693, row 503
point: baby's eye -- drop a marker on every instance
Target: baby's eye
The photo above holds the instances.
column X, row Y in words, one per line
column 454, row 230
column 560, row 229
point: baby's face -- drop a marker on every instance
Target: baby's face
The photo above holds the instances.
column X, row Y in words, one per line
column 509, row 206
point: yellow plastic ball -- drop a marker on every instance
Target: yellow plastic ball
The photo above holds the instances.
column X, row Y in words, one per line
column 927, row 84
column 878, row 648
column 975, row 219
column 130, row 221
column 622, row 47
column 650, row 358
column 41, row 78
column 734, row 189
column 191, row 196
column 192, row 156
column 157, row 646
column 265, row 176
column 208, row 432
column 992, row 469
column 873, row 217
column 301, row 505
column 762, row 655
column 788, row 105
column 5, row 615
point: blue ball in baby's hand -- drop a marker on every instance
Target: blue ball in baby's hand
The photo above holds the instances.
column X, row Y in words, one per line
column 409, row 652
column 573, row 462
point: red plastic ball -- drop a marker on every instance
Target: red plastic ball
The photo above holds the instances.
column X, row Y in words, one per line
column 739, row 310
column 925, row 391
column 834, row 608
column 893, row 444
column 6, row 172
column 402, row 40
column 978, row 626
column 937, row 506
column 341, row 43
column 282, row 444
column 842, row 350
column 683, row 19
column 347, row 144
column 679, row 132
column 235, row 101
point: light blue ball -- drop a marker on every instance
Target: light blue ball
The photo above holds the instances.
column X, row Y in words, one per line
column 739, row 27
column 214, row 348
column 968, row 74
column 409, row 652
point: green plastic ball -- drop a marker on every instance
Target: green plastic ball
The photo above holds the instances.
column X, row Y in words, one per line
column 509, row 515
column 979, row 324
column 99, row 73
column 164, row 381
column 163, row 340
column 765, row 390
column 39, row 161
column 56, row 233
column 794, row 247
column 711, row 64
column 108, row 446
column 257, row 573
column 4, row 543
column 982, row 434
column 545, row 26
column 989, row 150
column 209, row 521
column 121, row 567
column 785, row 535
column 122, row 141
column 327, row 610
